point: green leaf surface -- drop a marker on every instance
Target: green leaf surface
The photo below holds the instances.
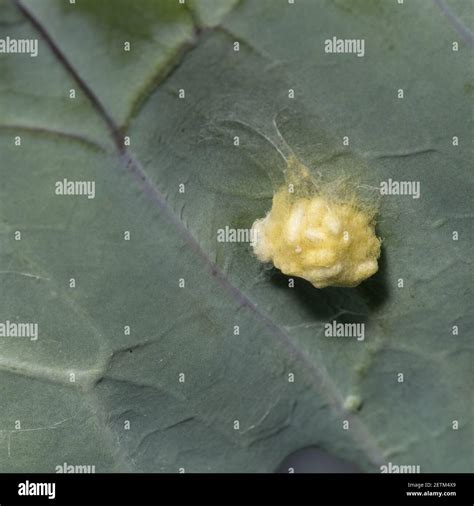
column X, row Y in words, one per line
column 87, row 392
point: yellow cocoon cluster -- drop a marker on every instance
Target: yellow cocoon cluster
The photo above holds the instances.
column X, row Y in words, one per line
column 326, row 240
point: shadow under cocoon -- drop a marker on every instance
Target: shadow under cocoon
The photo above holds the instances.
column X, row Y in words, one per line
column 364, row 299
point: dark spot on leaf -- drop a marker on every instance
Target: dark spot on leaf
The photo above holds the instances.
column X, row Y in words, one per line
column 314, row 460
